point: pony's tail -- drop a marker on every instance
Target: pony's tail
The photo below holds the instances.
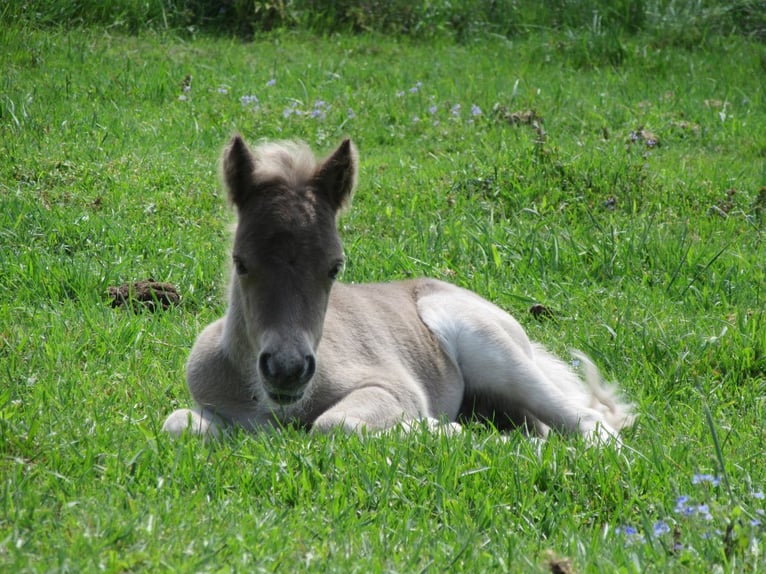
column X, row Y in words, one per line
column 605, row 397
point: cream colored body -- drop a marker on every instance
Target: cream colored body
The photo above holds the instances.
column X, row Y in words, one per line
column 296, row 348
column 399, row 352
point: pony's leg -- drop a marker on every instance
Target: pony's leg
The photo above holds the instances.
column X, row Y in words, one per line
column 221, row 396
column 380, row 406
column 498, row 361
column 198, row 421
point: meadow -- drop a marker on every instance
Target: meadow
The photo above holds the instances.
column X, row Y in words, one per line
column 610, row 192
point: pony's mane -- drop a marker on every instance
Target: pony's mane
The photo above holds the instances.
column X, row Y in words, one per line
column 291, row 161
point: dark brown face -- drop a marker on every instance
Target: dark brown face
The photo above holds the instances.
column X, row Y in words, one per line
column 286, row 256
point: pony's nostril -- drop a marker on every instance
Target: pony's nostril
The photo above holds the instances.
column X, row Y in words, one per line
column 265, row 365
column 309, row 367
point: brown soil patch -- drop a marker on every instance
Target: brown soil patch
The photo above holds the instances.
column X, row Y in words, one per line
column 147, row 294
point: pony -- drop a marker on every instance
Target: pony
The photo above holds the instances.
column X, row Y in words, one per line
column 296, row 347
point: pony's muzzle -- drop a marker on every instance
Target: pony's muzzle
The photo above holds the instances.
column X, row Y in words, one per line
column 285, row 376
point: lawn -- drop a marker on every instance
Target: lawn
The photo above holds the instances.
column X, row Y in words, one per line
column 626, row 196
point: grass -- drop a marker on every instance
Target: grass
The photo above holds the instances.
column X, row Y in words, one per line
column 650, row 255
column 687, row 22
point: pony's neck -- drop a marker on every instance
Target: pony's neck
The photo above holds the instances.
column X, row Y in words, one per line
column 234, row 338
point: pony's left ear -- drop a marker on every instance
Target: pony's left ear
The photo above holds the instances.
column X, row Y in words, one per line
column 336, row 176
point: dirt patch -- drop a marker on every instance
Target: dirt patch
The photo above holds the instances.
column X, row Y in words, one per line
column 147, row 294
column 521, row 118
column 640, row 135
column 559, row 565
column 541, row 312
column 517, row 118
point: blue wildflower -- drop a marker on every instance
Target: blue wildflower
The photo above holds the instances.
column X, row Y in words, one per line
column 475, row 110
column 433, row 109
column 706, row 478
column 249, row 100
column 292, row 109
column 660, row 528
column 758, row 495
column 271, row 82
column 319, row 111
column 631, row 534
column 704, row 511
column 455, row 110
column 682, row 507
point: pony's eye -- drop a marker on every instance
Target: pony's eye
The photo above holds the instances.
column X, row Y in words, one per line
column 335, row 269
column 239, row 265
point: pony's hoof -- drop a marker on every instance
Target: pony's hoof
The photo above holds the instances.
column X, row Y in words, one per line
column 194, row 422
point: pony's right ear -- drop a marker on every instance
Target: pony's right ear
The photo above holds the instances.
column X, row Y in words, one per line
column 238, row 166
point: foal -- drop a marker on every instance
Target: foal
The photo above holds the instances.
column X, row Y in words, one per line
column 295, row 347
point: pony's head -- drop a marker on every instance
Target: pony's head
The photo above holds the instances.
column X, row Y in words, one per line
column 286, row 253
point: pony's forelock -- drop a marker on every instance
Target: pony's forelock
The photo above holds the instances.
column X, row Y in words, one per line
column 291, row 161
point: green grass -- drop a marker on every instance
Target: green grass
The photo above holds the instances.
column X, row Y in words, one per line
column 650, row 263
column 687, row 22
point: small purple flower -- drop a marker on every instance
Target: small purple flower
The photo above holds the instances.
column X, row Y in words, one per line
column 475, row 110
column 271, row 82
column 249, row 101
column 703, row 510
column 682, row 507
column 350, row 114
column 631, row 534
column 758, row 495
column 706, row 478
column 627, row 530
column 319, row 111
column 223, row 90
column 416, row 88
column 455, row 110
column 660, row 528
column 399, row 94
column 290, row 110
column 755, row 522
column 433, row 109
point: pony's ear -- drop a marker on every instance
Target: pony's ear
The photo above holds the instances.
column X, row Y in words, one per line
column 238, row 167
column 336, row 176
